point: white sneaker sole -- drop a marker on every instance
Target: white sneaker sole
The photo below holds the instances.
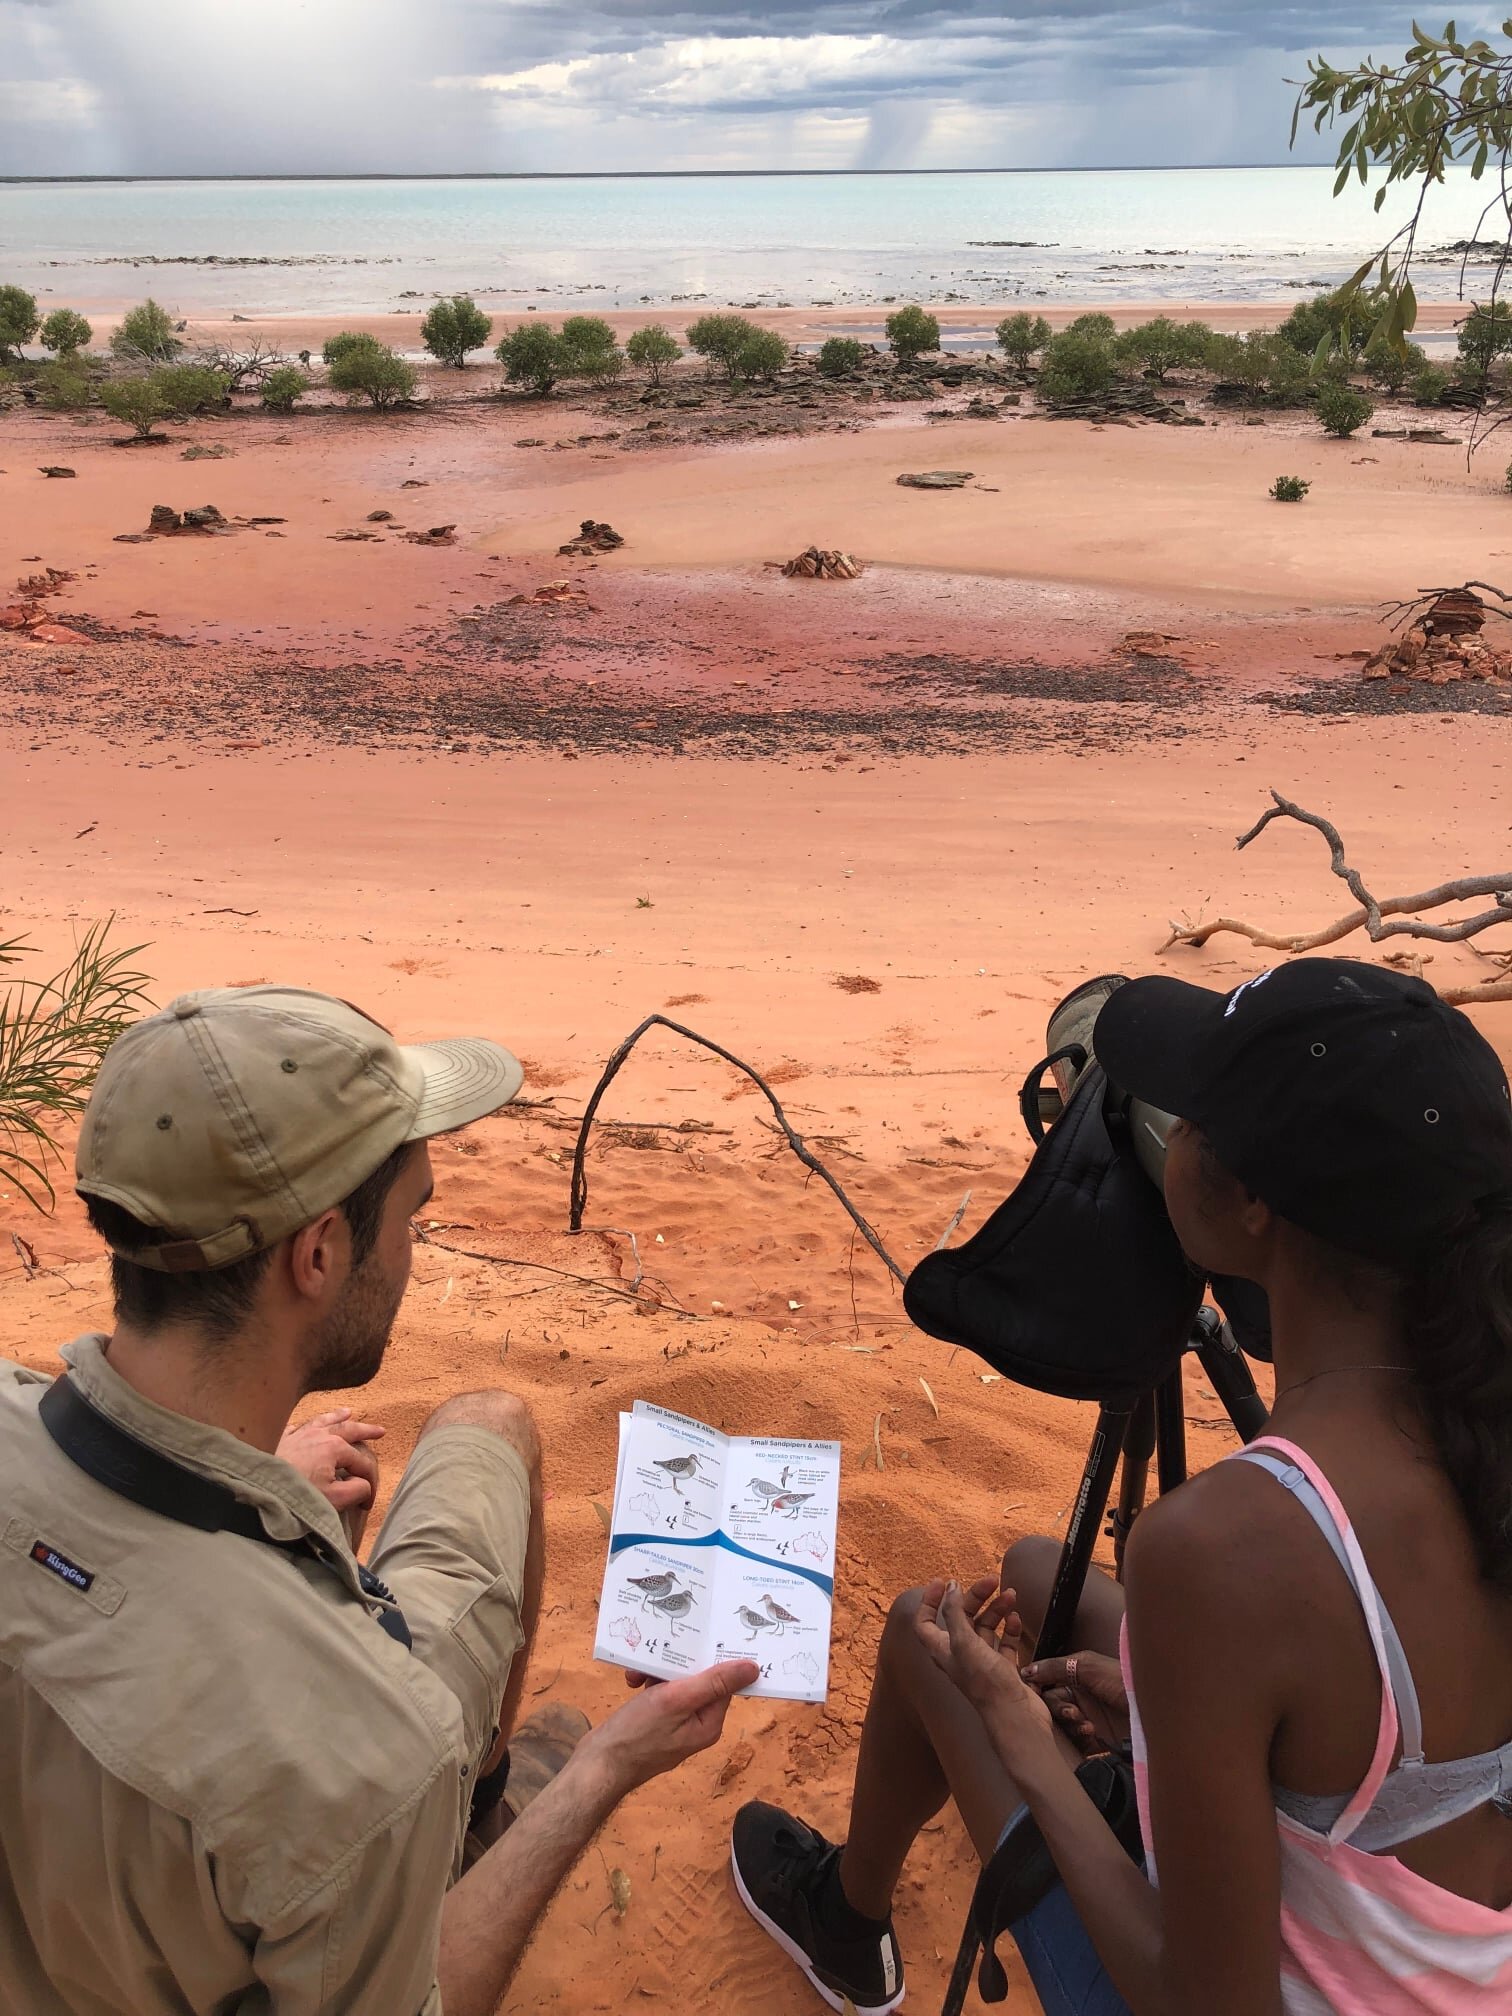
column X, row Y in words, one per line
column 800, row 1959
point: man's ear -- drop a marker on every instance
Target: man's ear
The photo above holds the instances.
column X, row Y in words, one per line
column 319, row 1254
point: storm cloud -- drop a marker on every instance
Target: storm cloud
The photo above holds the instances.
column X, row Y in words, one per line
column 199, row 87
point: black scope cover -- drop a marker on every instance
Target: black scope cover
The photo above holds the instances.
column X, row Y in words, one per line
column 1076, row 1284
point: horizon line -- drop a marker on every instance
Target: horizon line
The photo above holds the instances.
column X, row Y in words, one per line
column 659, row 174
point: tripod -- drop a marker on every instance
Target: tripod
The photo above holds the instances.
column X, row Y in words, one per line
column 1152, row 1426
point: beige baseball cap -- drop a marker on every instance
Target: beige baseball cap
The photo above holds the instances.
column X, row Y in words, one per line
column 239, row 1114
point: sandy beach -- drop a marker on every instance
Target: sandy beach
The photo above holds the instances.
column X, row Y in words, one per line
column 864, row 834
column 806, row 325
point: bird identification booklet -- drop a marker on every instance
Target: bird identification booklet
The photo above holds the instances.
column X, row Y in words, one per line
column 720, row 1547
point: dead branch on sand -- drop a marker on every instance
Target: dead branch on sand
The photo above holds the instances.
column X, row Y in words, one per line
column 1373, row 913
column 634, row 1293
column 944, row 1238
column 1396, row 614
column 252, row 363
column 794, row 1140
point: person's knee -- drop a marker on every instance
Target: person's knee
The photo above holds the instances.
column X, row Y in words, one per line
column 503, row 1414
column 1029, row 1570
column 900, row 1632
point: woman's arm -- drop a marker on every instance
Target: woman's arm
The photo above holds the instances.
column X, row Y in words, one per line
column 1211, row 1637
column 1209, row 1939
column 1119, row 1907
column 1117, row 1904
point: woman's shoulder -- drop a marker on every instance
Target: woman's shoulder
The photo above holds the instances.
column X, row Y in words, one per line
column 1230, row 1498
column 1224, row 1589
column 1232, row 1534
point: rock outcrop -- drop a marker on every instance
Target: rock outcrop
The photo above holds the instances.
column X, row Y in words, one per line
column 822, row 563
column 1445, row 644
column 593, row 537
column 937, row 479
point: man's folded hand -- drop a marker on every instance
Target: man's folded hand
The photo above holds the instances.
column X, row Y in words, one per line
column 333, row 1451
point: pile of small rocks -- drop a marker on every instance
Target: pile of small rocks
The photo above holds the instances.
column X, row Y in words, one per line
column 1125, row 403
column 936, row 479
column 33, row 621
column 593, row 537
column 202, row 518
column 822, row 563
column 1445, row 644
column 550, row 594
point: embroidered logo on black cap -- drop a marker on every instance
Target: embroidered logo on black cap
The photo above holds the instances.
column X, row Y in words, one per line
column 60, row 1565
column 1234, row 998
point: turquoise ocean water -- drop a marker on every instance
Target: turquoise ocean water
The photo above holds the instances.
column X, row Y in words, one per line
column 619, row 241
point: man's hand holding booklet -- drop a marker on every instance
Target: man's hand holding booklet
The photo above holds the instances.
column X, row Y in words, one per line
column 720, row 1547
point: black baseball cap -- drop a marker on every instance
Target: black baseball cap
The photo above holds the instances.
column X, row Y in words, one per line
column 1350, row 1099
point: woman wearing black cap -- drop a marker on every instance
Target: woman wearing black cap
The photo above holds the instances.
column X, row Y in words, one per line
column 1315, row 1670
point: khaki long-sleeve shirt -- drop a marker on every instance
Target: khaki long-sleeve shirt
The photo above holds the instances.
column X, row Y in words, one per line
column 223, row 1787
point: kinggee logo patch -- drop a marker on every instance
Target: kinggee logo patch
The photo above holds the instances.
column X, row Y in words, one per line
column 60, row 1565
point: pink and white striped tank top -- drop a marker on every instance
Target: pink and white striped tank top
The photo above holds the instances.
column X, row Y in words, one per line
column 1361, row 1934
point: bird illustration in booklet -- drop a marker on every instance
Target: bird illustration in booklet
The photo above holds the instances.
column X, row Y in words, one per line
column 778, row 1615
column 673, row 1607
column 677, row 1467
column 652, row 1585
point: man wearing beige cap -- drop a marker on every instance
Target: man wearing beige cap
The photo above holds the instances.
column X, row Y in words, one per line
column 237, row 1768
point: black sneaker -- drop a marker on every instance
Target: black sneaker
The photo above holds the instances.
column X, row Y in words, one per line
column 781, row 1870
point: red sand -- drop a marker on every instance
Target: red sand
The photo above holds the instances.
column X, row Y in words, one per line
column 503, row 893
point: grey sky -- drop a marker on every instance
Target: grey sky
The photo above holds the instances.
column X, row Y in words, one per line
column 313, row 86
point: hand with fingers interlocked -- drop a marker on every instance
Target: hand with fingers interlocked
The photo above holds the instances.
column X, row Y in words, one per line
column 973, row 1635
column 334, row 1452
column 1087, row 1697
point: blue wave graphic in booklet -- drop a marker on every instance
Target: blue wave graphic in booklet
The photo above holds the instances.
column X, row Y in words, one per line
column 720, row 1547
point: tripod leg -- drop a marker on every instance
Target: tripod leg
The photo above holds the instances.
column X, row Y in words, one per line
column 1138, row 1447
column 1228, row 1369
column 1082, row 1530
column 1170, row 1432
column 960, row 1974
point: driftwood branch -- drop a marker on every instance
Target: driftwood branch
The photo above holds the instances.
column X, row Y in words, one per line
column 622, row 1232
column 631, row 1294
column 251, row 364
column 1396, row 615
column 1373, row 914
column 1488, row 990
column 794, row 1140
column 960, row 1212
